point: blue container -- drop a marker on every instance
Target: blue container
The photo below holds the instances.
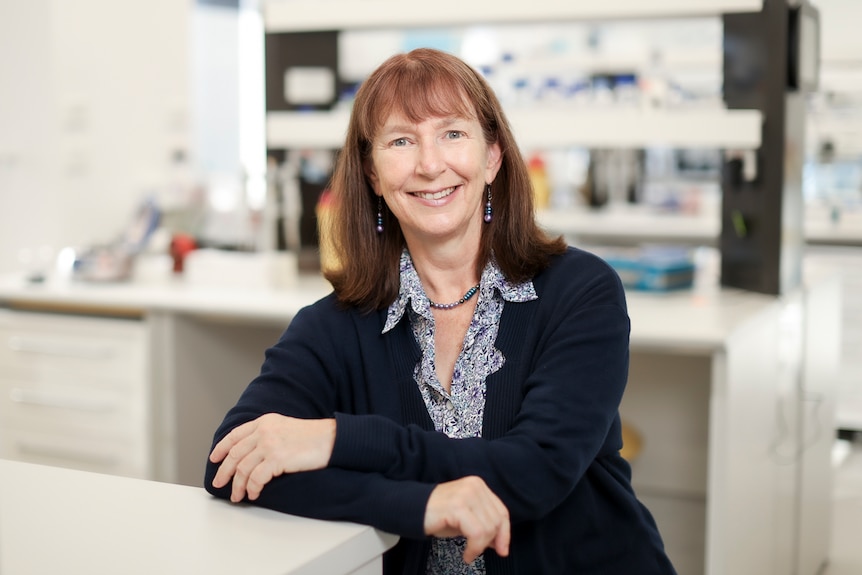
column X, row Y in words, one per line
column 653, row 269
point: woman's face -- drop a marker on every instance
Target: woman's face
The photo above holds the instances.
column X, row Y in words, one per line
column 432, row 176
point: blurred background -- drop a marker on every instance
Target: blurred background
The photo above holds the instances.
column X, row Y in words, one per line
column 184, row 143
column 106, row 104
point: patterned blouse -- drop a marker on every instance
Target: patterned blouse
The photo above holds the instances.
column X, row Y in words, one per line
column 459, row 413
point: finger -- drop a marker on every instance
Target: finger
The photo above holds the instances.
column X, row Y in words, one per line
column 253, row 473
column 484, row 537
column 223, row 447
column 475, row 547
column 478, row 528
column 481, row 539
column 238, row 488
column 490, row 521
column 246, row 465
column 225, row 471
column 504, row 532
column 227, row 442
column 258, row 478
column 237, row 492
column 503, row 539
column 230, row 464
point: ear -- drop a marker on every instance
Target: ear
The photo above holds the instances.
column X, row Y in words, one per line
column 495, row 160
column 371, row 176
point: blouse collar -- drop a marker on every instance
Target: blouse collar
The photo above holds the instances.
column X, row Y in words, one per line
column 411, row 293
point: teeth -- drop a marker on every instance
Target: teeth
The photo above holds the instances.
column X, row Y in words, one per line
column 436, row 195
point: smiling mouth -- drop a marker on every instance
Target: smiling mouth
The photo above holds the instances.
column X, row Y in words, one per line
column 435, row 195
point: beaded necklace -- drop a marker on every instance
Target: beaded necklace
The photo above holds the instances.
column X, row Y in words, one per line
column 470, row 293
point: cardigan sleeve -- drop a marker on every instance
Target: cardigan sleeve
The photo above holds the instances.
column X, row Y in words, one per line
column 571, row 396
column 309, row 389
column 393, row 506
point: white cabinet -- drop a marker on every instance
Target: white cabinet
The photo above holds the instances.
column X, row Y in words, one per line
column 847, row 263
column 131, row 379
column 733, row 394
column 74, row 392
column 735, row 414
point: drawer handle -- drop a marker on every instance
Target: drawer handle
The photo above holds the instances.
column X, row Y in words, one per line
column 62, row 401
column 25, row 345
column 51, row 452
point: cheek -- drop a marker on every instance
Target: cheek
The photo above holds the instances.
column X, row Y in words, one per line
column 390, row 172
column 473, row 157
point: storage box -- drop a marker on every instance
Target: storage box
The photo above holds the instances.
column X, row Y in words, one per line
column 652, row 269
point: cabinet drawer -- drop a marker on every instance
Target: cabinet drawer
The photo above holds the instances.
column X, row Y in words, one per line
column 39, row 344
column 61, row 408
column 39, row 376
column 102, row 455
column 74, row 392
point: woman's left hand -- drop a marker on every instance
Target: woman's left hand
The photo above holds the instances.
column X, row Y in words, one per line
column 273, row 444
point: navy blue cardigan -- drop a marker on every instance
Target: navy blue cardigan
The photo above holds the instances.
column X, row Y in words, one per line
column 550, row 438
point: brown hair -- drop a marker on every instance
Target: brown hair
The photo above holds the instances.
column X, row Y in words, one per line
column 421, row 84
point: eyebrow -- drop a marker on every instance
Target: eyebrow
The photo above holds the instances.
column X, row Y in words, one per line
column 442, row 122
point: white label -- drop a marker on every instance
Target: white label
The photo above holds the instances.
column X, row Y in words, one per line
column 309, row 85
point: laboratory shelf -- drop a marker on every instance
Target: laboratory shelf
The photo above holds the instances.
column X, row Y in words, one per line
column 552, row 127
column 307, row 15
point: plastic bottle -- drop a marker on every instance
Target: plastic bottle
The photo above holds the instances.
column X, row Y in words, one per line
column 539, row 179
column 627, row 91
column 328, row 256
column 522, row 94
column 552, row 92
column 503, row 80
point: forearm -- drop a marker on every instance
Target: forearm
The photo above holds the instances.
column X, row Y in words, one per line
column 396, row 507
column 523, row 474
column 569, row 404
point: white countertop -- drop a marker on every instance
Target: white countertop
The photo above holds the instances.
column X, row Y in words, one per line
column 697, row 320
column 264, row 304
column 55, row 520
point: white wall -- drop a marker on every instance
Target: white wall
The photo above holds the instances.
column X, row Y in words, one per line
column 839, row 24
column 26, row 71
column 94, row 96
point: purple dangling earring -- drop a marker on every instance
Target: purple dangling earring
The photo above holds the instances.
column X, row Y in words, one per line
column 488, row 204
column 379, row 215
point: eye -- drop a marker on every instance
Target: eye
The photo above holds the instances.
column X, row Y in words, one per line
column 454, row 135
column 398, row 142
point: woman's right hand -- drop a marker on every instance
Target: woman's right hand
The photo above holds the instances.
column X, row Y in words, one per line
column 467, row 507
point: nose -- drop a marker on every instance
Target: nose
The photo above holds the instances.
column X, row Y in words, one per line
column 430, row 162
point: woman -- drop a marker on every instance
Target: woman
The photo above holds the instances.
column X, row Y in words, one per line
column 460, row 387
